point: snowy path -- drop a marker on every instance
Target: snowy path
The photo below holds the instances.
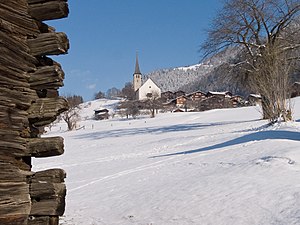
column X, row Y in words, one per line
column 216, row 167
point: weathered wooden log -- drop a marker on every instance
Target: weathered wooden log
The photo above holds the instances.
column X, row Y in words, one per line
column 12, row 143
column 15, row 55
column 47, row 77
column 47, row 199
column 9, row 79
column 51, row 175
column 34, row 147
column 14, row 191
column 14, row 220
column 14, row 75
column 10, row 171
column 45, row 110
column 15, row 19
column 22, row 98
column 43, row 220
column 48, row 10
column 49, row 44
column 48, row 193
column 14, row 200
column 17, row 148
column 45, row 147
column 12, row 119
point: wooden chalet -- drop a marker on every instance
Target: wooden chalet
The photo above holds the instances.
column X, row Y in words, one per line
column 167, row 96
column 215, row 102
column 29, row 101
column 178, row 94
column 196, row 96
column 220, row 94
column 101, row 114
column 181, row 101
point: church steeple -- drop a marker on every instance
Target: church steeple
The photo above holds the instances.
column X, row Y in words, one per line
column 137, row 76
column 137, row 67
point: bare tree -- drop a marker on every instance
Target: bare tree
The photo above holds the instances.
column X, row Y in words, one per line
column 128, row 91
column 112, row 93
column 129, row 108
column 71, row 116
column 265, row 31
column 153, row 102
column 99, row 95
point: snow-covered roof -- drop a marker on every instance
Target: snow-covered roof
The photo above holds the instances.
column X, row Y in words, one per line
column 255, row 95
column 195, row 93
column 219, row 93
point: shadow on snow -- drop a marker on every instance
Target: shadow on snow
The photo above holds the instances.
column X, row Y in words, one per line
column 152, row 130
column 258, row 136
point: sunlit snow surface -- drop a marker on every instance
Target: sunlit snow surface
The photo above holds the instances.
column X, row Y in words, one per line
column 216, row 167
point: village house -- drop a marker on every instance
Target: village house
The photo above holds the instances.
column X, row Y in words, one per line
column 237, row 100
column 196, row 96
column 167, row 96
column 181, row 101
column 178, row 93
column 215, row 102
column 225, row 94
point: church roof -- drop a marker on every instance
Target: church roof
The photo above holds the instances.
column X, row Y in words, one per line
column 137, row 67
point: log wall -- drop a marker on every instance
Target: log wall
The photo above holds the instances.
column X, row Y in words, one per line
column 29, row 82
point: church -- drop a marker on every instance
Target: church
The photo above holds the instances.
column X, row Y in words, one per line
column 146, row 90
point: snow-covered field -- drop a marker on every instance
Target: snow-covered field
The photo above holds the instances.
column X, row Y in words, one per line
column 216, row 167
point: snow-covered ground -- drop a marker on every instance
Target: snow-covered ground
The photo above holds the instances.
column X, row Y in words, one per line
column 219, row 167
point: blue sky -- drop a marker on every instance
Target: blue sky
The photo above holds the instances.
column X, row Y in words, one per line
column 105, row 35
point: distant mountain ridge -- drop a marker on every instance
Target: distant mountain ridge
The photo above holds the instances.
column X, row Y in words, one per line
column 190, row 78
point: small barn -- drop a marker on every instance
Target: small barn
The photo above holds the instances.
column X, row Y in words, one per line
column 101, row 114
column 254, row 99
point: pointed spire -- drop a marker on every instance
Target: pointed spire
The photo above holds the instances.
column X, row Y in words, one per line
column 137, row 67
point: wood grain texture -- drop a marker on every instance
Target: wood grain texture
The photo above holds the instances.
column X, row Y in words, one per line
column 48, row 10
column 29, row 100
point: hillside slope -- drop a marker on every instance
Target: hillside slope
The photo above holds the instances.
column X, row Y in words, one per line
column 216, row 167
column 190, row 78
